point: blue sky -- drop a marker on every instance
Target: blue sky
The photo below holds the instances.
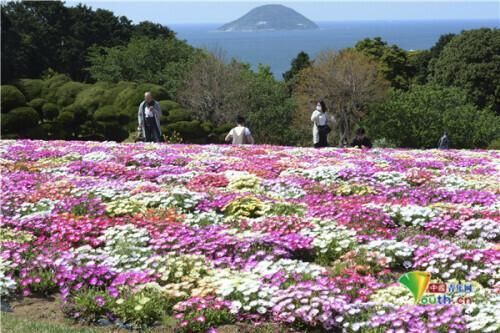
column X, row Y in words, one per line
column 175, row 12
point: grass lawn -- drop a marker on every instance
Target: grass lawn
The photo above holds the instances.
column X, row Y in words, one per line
column 13, row 324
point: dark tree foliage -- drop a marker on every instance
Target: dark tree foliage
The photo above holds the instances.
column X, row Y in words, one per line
column 300, row 62
column 38, row 35
column 393, row 60
column 471, row 61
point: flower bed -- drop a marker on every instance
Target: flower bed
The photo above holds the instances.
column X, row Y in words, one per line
column 216, row 235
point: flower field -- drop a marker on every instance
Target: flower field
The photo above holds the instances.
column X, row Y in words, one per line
column 216, row 235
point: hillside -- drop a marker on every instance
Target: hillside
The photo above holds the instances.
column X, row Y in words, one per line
column 270, row 18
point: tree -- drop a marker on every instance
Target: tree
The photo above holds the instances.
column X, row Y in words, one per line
column 300, row 62
column 213, row 90
column 471, row 61
column 418, row 117
column 271, row 110
column 160, row 61
column 347, row 81
column 152, row 30
column 393, row 60
column 421, row 61
column 38, row 35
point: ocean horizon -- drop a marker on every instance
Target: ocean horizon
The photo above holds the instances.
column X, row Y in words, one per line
column 278, row 48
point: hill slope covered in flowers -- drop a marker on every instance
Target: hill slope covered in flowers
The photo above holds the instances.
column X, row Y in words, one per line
column 215, row 235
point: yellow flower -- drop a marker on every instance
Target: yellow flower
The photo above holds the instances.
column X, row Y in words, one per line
column 138, row 308
column 144, row 300
column 119, row 301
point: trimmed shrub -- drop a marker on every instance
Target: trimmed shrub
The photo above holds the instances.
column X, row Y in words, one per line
column 167, row 105
column 220, row 132
column 56, row 81
column 66, row 118
column 113, row 131
column 159, row 93
column 495, row 144
column 177, row 115
column 129, row 96
column 190, row 131
column 20, row 118
column 66, row 94
column 111, row 113
column 37, row 104
column 31, row 88
column 50, row 111
column 11, row 98
column 93, row 97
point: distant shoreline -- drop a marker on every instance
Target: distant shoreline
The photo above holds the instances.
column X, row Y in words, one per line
column 356, row 21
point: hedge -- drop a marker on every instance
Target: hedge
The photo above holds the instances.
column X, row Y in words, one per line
column 11, row 98
column 19, row 118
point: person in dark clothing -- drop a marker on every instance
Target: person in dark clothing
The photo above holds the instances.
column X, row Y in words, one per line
column 444, row 142
column 361, row 140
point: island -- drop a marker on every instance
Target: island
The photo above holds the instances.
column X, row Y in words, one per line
column 270, row 18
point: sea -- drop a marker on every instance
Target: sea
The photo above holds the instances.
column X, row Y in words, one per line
column 278, row 48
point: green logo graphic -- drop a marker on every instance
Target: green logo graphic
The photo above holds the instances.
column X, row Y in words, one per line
column 416, row 282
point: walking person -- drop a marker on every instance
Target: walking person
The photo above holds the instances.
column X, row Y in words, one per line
column 148, row 118
column 361, row 140
column 444, row 142
column 240, row 134
column 321, row 128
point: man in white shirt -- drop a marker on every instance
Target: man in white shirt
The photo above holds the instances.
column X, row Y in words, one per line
column 149, row 119
column 240, row 134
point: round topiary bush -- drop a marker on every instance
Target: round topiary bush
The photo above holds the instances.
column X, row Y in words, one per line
column 37, row 104
column 167, row 105
column 31, row 88
column 495, row 144
column 159, row 93
column 91, row 98
column 66, row 94
column 56, row 81
column 177, row 115
column 65, row 119
column 11, row 98
column 129, row 97
column 20, row 118
column 111, row 113
column 189, row 130
column 50, row 111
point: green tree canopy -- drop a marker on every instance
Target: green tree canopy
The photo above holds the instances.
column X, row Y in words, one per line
column 417, row 118
column 159, row 61
column 300, row 62
column 471, row 61
column 393, row 60
column 37, row 35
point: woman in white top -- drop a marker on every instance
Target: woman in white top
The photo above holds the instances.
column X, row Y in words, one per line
column 240, row 134
column 321, row 126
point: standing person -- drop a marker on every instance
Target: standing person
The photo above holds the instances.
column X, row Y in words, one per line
column 148, row 117
column 240, row 134
column 361, row 140
column 444, row 142
column 321, row 128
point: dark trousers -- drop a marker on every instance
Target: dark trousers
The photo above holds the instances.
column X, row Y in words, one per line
column 152, row 131
column 323, row 135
